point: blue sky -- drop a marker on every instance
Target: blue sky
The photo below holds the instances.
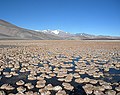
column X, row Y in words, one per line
column 99, row 17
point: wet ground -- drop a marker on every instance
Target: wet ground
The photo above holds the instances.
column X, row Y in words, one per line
column 101, row 56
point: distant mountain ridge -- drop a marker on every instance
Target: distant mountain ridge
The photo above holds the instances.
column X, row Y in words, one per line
column 96, row 37
column 11, row 31
column 79, row 36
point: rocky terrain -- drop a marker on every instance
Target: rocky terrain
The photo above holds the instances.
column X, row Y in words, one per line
column 59, row 67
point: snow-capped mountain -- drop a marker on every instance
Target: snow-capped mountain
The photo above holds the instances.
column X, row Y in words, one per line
column 85, row 35
column 56, row 32
column 53, row 31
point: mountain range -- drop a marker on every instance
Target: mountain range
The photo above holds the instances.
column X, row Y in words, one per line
column 10, row 31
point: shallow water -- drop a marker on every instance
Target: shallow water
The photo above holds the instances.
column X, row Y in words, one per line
column 7, row 46
column 111, row 76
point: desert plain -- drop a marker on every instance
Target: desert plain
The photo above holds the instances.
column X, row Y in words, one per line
column 59, row 67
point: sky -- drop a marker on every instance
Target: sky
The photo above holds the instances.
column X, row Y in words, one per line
column 98, row 17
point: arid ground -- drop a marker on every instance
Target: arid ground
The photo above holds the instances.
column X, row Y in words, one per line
column 59, row 67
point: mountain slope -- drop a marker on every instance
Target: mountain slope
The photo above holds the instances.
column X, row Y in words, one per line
column 10, row 31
